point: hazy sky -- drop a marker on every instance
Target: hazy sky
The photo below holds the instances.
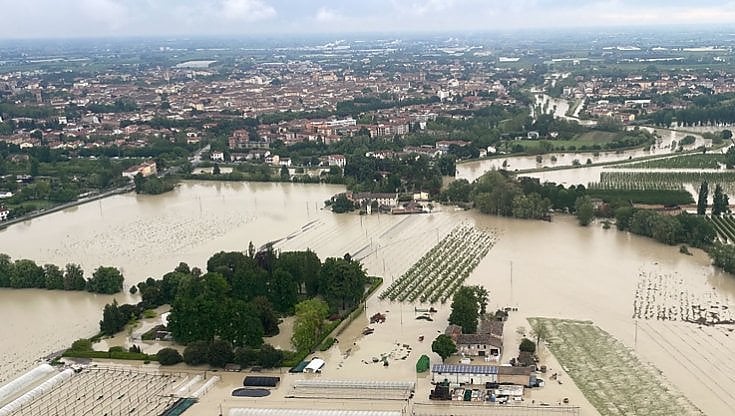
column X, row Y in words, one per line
column 72, row 18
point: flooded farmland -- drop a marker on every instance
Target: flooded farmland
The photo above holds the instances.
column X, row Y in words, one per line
column 559, row 270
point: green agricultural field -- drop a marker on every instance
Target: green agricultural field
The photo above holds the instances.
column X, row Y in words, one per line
column 588, row 141
column 609, row 374
column 693, row 161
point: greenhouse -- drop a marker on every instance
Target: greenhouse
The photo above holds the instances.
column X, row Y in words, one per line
column 304, row 412
column 19, row 384
column 354, row 389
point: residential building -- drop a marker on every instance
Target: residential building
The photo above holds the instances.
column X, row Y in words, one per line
column 4, row 213
column 217, row 156
column 146, row 169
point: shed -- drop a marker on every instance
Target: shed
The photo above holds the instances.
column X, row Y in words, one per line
column 261, row 381
column 314, row 366
column 299, row 368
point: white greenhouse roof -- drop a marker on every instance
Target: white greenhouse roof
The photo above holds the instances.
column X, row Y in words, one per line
column 356, row 384
column 304, row 412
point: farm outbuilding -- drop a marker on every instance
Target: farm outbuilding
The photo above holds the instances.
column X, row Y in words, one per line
column 315, row 366
column 261, row 381
column 464, row 374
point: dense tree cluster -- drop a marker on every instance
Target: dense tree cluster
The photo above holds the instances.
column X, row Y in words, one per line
column 24, row 273
column 684, row 228
column 240, row 297
column 500, row 193
column 152, row 185
column 705, row 109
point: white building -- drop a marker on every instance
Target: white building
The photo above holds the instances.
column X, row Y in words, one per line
column 4, row 213
column 217, row 155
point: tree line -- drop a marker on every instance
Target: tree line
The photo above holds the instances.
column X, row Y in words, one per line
column 26, row 274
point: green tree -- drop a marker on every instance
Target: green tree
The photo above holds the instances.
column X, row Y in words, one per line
column 107, row 280
column 458, row 191
column 723, row 256
column 240, row 324
column 465, row 310
column 730, row 157
column 584, row 210
column 702, row 199
column 283, row 291
column 196, row 353
column 216, row 169
column 285, row 175
column 342, row 282
column 270, row 357
column 74, row 277
column 27, row 274
column 721, row 202
column 309, row 323
column 139, row 181
column 113, row 320
column 268, row 318
column 54, row 277
column 482, row 296
column 623, row 216
column 341, row 204
column 527, row 346
column 305, row 267
column 444, row 346
column 219, row 353
column 6, row 270
column 169, row 356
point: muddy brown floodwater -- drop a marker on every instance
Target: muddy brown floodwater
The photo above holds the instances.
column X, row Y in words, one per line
column 559, row 270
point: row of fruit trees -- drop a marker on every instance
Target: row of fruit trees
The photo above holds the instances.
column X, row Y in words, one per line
column 725, row 227
column 440, row 272
column 672, row 180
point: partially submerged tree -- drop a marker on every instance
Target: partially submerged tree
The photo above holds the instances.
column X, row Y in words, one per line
column 444, row 346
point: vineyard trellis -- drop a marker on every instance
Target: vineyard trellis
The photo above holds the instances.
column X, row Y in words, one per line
column 692, row 161
column 672, row 180
column 440, row 272
column 725, row 227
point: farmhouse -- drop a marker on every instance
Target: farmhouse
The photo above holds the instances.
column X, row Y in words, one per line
column 487, row 342
column 146, row 169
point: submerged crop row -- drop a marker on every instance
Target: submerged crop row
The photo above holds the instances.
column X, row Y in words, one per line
column 609, row 374
column 441, row 271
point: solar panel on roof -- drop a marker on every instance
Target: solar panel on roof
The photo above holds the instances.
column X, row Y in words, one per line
column 464, row 369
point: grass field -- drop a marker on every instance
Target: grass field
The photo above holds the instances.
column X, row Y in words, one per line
column 609, row 374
